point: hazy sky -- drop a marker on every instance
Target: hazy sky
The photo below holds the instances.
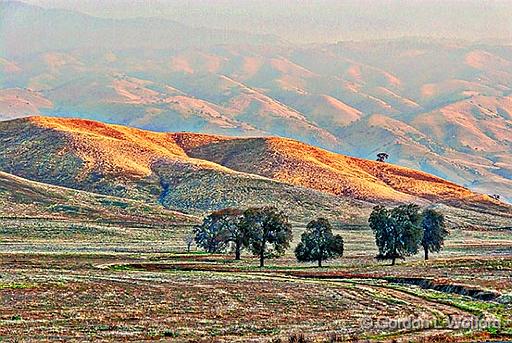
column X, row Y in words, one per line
column 320, row 20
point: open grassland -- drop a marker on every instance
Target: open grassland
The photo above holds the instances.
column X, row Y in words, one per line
column 60, row 281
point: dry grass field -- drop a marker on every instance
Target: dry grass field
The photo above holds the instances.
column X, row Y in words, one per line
column 60, row 281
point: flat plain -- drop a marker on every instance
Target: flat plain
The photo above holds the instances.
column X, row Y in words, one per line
column 143, row 285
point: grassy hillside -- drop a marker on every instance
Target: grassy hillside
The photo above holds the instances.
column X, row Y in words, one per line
column 194, row 173
column 151, row 167
column 300, row 164
column 21, row 198
column 440, row 106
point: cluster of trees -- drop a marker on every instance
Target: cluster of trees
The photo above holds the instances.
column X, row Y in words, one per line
column 267, row 233
column 401, row 231
column 495, row 196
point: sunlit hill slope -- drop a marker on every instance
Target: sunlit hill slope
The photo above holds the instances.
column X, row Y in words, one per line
column 195, row 173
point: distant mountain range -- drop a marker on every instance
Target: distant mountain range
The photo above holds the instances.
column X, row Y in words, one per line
column 195, row 173
column 442, row 107
column 27, row 29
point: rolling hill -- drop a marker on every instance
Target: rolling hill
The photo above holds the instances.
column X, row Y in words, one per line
column 195, row 173
column 147, row 166
column 296, row 163
column 21, row 198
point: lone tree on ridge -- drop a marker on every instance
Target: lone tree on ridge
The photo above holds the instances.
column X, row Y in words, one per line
column 382, row 157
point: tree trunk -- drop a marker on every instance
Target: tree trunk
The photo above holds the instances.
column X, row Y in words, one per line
column 426, row 253
column 262, row 252
column 393, row 261
column 237, row 251
column 320, row 263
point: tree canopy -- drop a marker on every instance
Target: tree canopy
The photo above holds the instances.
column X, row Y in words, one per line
column 234, row 234
column 211, row 234
column 434, row 231
column 318, row 243
column 382, row 157
column 267, row 232
column 397, row 232
column 219, row 229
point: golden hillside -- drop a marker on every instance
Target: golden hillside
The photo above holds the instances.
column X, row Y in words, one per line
column 301, row 164
column 196, row 172
column 130, row 163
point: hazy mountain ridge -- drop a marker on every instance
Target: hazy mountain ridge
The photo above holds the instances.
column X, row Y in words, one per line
column 440, row 106
column 21, row 39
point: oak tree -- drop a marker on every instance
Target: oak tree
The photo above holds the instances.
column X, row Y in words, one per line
column 267, row 232
column 318, row 243
column 232, row 218
column 382, row 157
column 434, row 231
column 397, row 232
column 189, row 239
column 211, row 234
